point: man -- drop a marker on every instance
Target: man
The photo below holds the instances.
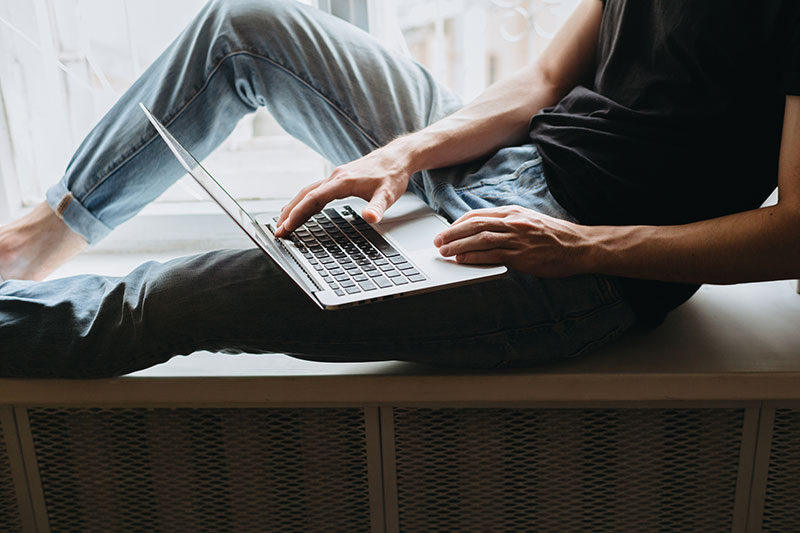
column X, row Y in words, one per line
column 658, row 129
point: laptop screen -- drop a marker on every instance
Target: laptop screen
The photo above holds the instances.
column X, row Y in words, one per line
column 242, row 218
column 193, row 167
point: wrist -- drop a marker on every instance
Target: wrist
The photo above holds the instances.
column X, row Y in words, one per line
column 597, row 250
column 411, row 151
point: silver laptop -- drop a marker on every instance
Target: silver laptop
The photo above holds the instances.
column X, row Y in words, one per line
column 340, row 260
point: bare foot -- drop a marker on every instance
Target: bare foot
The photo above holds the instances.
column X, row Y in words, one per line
column 35, row 245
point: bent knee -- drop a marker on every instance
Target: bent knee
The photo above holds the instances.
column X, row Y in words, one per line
column 249, row 21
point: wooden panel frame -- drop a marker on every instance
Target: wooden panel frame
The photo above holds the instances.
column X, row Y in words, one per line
column 372, row 427
column 38, row 503
column 359, row 390
column 758, row 487
column 391, row 514
column 761, row 463
column 747, row 456
column 17, row 465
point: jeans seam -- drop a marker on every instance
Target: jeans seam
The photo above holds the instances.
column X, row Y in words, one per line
column 337, row 107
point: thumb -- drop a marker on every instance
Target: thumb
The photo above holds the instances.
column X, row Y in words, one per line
column 374, row 211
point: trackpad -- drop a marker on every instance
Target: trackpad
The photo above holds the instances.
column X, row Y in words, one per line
column 415, row 234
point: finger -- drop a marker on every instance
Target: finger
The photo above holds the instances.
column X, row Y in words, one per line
column 469, row 227
column 380, row 202
column 314, row 201
column 484, row 212
column 487, row 257
column 285, row 210
column 485, row 240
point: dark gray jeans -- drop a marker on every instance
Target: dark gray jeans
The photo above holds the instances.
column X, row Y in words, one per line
column 342, row 93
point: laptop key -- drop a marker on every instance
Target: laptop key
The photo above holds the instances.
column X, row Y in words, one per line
column 417, row 277
column 405, row 266
column 339, row 292
column 387, row 268
column 360, row 277
column 367, row 285
column 399, row 280
column 347, row 283
column 392, row 273
column 397, row 259
column 374, row 273
column 352, row 290
column 382, row 282
column 341, row 277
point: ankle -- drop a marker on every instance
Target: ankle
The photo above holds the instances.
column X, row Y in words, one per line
column 36, row 244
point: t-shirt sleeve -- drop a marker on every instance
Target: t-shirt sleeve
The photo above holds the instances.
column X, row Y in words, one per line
column 790, row 79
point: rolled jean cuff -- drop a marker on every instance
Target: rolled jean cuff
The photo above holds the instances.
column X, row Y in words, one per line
column 75, row 215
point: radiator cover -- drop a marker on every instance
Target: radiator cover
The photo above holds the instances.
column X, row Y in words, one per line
column 566, row 469
column 197, row 470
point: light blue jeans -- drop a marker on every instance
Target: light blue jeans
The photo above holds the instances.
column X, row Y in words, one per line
column 338, row 90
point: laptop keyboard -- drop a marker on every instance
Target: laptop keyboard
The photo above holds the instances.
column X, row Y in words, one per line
column 350, row 255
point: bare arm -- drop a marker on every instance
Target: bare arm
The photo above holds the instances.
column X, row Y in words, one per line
column 762, row 244
column 757, row 245
column 498, row 117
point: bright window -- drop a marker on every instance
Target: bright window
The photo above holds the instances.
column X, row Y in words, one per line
column 65, row 62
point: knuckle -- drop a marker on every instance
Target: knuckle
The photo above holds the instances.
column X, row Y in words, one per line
column 313, row 199
column 349, row 180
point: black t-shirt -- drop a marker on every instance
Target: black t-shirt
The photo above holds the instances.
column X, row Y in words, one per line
column 682, row 121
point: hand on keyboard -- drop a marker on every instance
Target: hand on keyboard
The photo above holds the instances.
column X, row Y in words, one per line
column 379, row 177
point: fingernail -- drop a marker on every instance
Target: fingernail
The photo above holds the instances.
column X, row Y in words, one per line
column 444, row 250
column 437, row 241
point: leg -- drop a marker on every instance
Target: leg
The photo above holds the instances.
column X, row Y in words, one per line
column 328, row 83
column 93, row 326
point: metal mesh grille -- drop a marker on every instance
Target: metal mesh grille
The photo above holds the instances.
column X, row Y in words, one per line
column 203, row 469
column 566, row 469
column 9, row 512
column 782, row 498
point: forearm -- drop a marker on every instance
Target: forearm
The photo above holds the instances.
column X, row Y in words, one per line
column 758, row 245
column 500, row 116
column 497, row 118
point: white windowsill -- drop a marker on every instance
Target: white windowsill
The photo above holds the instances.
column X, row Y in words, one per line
column 183, row 226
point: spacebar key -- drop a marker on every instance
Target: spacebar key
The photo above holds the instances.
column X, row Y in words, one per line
column 379, row 242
